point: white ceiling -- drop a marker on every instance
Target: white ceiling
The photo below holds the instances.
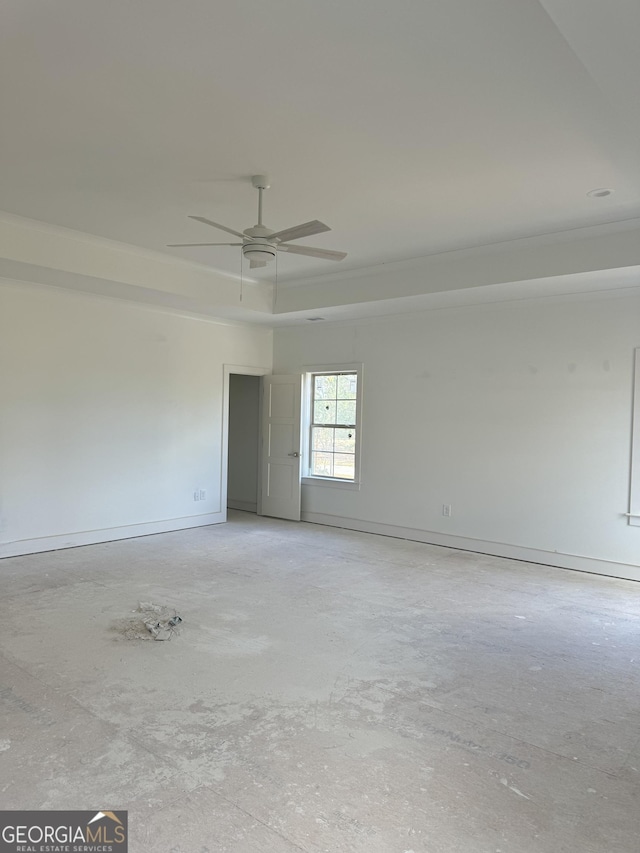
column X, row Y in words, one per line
column 411, row 128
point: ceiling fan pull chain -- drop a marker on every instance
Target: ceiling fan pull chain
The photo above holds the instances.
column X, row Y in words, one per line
column 275, row 287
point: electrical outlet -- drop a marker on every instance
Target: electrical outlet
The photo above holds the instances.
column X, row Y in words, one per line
column 446, row 510
column 203, row 495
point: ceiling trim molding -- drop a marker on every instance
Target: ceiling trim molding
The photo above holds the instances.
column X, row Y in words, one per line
column 533, row 241
column 53, row 255
column 598, row 248
column 61, row 231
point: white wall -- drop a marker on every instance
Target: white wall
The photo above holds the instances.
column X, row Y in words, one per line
column 244, row 432
column 516, row 414
column 110, row 418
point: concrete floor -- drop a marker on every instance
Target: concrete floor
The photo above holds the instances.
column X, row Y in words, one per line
column 329, row 691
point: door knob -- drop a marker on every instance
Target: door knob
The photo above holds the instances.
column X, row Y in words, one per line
column 295, row 454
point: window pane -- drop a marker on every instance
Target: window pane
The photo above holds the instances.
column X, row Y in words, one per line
column 332, row 447
column 322, row 464
column 345, row 412
column 344, row 466
column 322, row 439
column 325, row 387
column 324, row 412
column 345, row 441
column 347, row 387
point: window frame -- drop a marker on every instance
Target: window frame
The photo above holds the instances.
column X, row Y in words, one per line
column 633, row 514
column 329, row 370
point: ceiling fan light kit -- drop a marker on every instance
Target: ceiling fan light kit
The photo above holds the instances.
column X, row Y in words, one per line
column 259, row 252
column 260, row 244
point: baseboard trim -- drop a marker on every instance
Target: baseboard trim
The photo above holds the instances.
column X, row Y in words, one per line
column 574, row 562
column 23, row 547
column 245, row 506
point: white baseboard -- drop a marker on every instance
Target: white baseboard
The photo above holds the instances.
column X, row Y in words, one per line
column 22, row 547
column 245, row 506
column 575, row 562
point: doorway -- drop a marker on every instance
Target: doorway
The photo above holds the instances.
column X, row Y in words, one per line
column 243, row 453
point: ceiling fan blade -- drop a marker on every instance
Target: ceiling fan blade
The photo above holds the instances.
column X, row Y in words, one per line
column 172, row 245
column 217, row 225
column 298, row 231
column 255, row 264
column 327, row 254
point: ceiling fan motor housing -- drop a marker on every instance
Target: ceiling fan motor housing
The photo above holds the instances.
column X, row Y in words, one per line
column 257, row 245
column 259, row 250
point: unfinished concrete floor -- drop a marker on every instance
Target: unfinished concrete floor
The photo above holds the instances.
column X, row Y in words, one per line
column 329, row 691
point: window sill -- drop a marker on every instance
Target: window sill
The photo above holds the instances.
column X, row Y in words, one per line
column 349, row 485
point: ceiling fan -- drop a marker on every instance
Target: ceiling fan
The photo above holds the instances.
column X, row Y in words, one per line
column 260, row 244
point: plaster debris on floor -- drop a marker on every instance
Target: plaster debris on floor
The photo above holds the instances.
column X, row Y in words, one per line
column 149, row 622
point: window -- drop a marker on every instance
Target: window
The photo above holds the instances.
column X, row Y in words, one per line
column 333, row 425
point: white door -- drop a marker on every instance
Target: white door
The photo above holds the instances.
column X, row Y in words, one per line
column 280, row 481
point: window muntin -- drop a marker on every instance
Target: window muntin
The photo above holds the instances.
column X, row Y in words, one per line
column 333, row 425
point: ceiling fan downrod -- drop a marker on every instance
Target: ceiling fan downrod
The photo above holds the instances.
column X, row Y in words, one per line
column 260, row 182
